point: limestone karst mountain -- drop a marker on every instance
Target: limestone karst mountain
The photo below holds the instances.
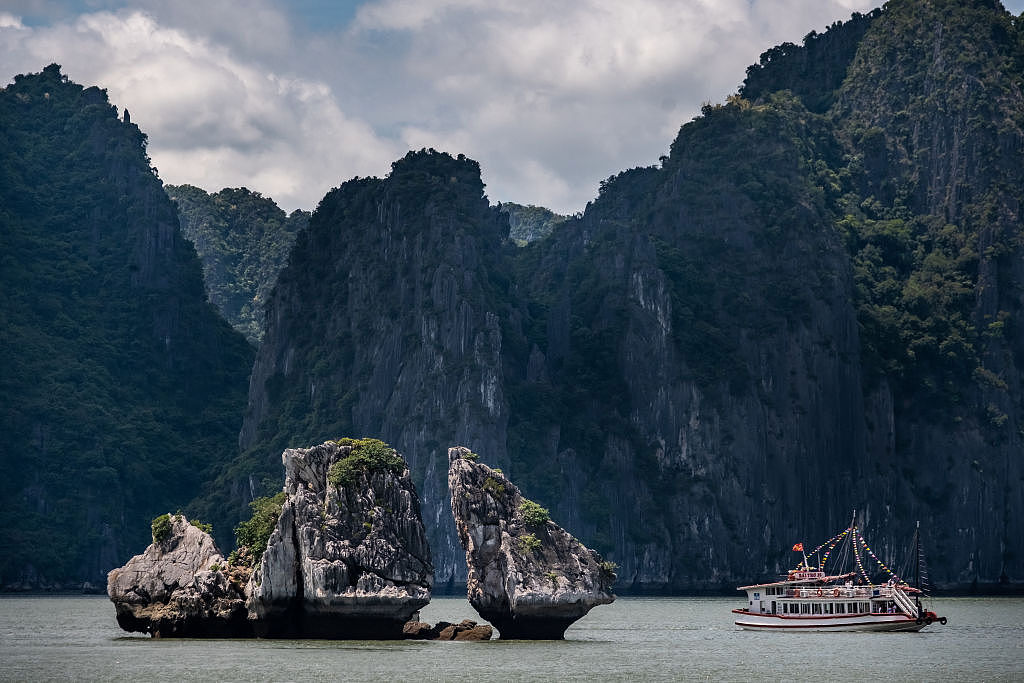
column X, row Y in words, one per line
column 119, row 384
column 243, row 240
column 812, row 301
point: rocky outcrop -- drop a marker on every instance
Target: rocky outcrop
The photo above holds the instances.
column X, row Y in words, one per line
column 349, row 557
column 526, row 575
column 467, row 629
column 176, row 588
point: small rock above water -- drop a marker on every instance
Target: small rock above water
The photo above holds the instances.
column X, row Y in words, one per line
column 176, row 587
column 467, row 629
column 526, row 575
column 349, row 556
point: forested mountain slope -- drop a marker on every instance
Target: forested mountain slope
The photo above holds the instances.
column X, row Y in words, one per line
column 119, row 382
column 813, row 305
column 243, row 240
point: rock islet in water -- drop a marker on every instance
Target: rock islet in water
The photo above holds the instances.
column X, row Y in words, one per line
column 348, row 558
column 526, row 575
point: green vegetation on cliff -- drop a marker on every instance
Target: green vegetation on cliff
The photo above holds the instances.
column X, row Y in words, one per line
column 815, row 303
column 529, row 223
column 243, row 240
column 810, row 303
column 253, row 533
column 119, row 383
column 367, row 455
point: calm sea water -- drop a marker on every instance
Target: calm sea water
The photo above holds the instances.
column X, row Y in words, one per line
column 77, row 638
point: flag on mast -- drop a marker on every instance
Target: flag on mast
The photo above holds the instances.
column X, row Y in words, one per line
column 798, row 548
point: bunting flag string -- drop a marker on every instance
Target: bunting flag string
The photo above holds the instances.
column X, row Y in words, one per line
column 824, row 558
column 858, row 543
column 856, row 554
column 835, row 539
column 878, row 561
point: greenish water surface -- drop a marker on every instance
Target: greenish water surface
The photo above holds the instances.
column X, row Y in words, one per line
column 77, row 638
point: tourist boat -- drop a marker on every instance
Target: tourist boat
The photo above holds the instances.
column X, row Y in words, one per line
column 810, row 599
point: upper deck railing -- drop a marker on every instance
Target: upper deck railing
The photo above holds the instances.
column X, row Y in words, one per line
column 834, row 591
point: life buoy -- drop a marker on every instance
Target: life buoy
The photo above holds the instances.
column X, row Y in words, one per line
column 820, row 592
column 835, row 593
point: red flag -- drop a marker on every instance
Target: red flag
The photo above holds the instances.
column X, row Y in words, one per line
column 799, row 547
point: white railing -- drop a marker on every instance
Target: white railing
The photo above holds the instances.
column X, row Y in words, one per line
column 904, row 602
column 838, row 592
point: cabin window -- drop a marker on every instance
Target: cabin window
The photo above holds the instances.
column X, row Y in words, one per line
column 840, row 608
column 851, row 607
column 865, row 607
column 816, row 608
column 828, row 608
column 805, row 608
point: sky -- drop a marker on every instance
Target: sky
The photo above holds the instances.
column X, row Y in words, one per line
column 293, row 98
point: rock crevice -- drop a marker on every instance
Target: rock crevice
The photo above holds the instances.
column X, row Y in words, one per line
column 348, row 558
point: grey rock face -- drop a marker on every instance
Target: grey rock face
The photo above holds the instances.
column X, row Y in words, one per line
column 173, row 588
column 408, row 258
column 345, row 561
column 530, row 581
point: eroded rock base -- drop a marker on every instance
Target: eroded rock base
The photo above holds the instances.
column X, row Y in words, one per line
column 294, row 622
column 188, row 627
column 529, row 628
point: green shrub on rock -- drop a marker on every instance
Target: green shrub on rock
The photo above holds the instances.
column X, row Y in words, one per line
column 533, row 514
column 367, row 455
column 161, row 528
column 202, row 526
column 493, row 487
column 255, row 532
column 528, row 543
column 609, row 569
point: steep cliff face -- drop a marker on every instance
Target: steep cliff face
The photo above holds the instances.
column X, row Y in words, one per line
column 349, row 556
column 813, row 305
column 390, row 322
column 932, row 112
column 699, row 354
column 243, row 240
column 119, row 384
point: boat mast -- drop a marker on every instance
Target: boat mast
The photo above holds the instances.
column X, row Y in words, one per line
column 917, row 556
column 917, row 569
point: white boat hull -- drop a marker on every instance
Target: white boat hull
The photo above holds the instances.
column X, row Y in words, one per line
column 851, row 622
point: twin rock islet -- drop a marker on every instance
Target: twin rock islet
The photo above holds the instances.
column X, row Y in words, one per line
column 348, row 558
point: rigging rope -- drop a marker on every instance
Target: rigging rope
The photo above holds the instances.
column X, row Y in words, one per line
column 858, row 543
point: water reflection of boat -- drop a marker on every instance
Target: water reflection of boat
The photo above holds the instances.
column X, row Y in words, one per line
column 809, row 598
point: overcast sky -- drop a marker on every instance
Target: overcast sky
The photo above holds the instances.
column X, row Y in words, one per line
column 292, row 98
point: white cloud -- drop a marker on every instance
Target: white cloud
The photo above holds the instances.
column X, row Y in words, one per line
column 573, row 92
column 9, row 21
column 549, row 97
column 212, row 119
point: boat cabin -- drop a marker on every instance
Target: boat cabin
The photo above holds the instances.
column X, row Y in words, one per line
column 811, row 593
